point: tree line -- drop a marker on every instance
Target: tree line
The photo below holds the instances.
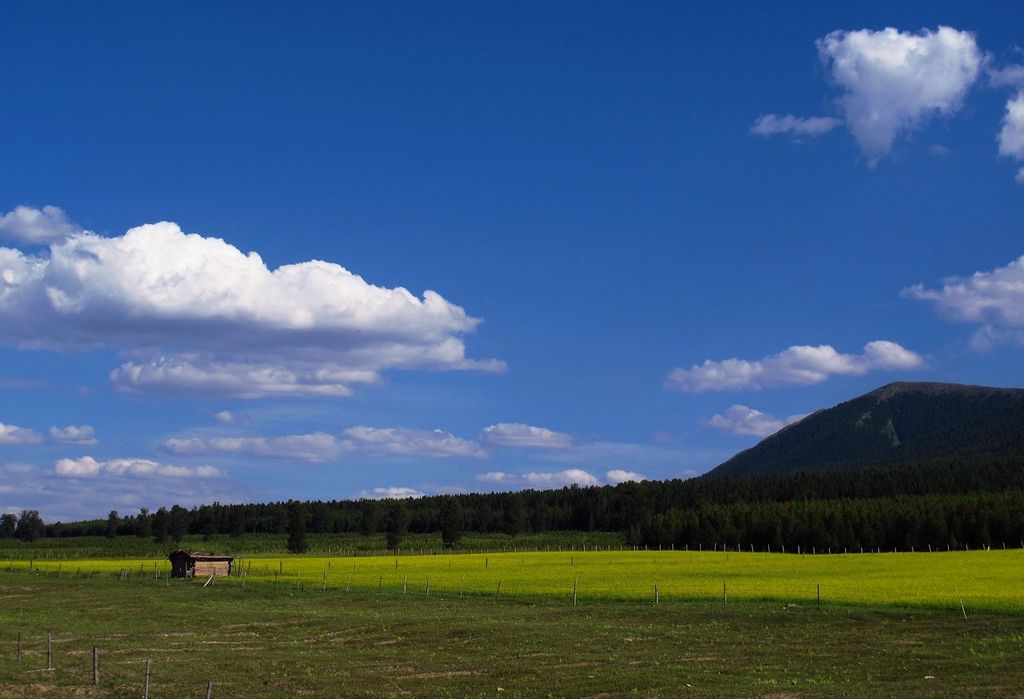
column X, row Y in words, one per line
column 951, row 503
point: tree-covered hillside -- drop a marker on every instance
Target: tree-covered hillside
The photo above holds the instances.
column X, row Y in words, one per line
column 901, row 423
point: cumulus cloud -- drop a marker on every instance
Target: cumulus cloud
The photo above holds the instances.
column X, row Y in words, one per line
column 196, row 315
column 774, row 124
column 541, row 479
column 572, row 476
column 391, row 493
column 799, row 364
column 514, row 434
column 88, row 467
column 12, row 434
column 616, row 476
column 225, row 417
column 743, row 420
column 1011, row 135
column 993, row 300
column 28, row 225
column 895, row 81
column 397, row 441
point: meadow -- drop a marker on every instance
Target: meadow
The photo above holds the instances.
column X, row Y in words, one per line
column 959, row 582
column 262, row 640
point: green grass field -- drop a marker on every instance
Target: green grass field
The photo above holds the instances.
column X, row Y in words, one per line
column 889, row 625
column 276, row 642
column 985, row 581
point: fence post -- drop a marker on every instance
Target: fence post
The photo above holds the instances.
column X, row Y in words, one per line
column 209, row 689
column 428, row 586
column 95, row 665
column 18, row 654
column 574, row 581
column 657, row 598
column 725, row 593
column 819, row 596
column 49, row 651
column 145, row 689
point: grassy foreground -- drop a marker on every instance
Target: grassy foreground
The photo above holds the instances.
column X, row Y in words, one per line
column 983, row 581
column 262, row 641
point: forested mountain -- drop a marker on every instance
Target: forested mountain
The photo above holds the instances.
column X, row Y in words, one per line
column 901, row 423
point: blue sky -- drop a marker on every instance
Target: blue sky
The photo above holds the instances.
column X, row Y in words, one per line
column 652, row 235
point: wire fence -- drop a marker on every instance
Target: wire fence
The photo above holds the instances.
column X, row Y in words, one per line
column 55, row 659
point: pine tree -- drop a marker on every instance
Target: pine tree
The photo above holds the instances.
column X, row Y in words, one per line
column 398, row 524
column 297, row 527
column 451, row 522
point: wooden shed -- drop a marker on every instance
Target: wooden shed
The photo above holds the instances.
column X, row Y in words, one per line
column 185, row 564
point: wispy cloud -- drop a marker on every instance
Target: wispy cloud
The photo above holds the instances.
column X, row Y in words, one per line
column 391, row 493
column 83, row 435
column 318, row 447
column 540, row 479
column 12, row 434
column 743, row 420
column 397, row 441
column 811, row 127
column 514, row 434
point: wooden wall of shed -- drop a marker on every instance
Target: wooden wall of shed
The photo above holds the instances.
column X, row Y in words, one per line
column 207, row 568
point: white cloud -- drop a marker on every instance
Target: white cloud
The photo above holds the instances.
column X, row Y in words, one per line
column 391, row 493
column 196, row 315
column 994, row 300
column 572, row 476
column 743, row 420
column 772, row 124
column 88, row 467
column 540, row 479
column 398, row 441
column 1010, row 76
column 895, row 81
column 616, row 476
column 800, row 364
column 32, row 226
column 514, row 434
column 1011, row 135
column 84, row 435
column 224, row 417
column 318, row 447
column 496, row 477
column 12, row 434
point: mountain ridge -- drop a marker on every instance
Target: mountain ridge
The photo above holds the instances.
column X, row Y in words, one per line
column 900, row 422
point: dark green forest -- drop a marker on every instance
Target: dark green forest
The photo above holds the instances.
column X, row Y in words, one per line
column 901, row 423
column 956, row 503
